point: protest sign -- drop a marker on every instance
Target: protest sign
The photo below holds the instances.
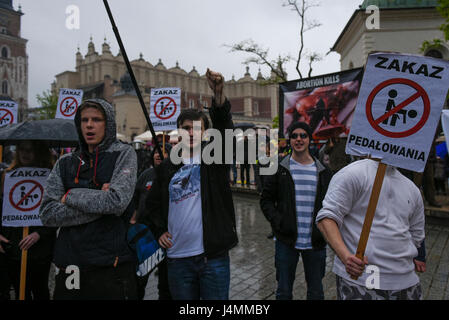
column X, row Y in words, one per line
column 68, row 102
column 23, row 192
column 8, row 112
column 398, row 109
column 165, row 107
column 326, row 103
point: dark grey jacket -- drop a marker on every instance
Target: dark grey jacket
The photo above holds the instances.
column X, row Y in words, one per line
column 93, row 222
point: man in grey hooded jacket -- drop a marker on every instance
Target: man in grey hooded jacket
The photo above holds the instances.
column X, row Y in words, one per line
column 88, row 195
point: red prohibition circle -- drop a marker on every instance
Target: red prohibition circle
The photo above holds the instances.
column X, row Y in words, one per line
column 6, row 113
column 16, row 205
column 170, row 115
column 417, row 127
column 63, row 111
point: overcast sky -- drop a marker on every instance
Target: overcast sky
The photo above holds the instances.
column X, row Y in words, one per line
column 192, row 32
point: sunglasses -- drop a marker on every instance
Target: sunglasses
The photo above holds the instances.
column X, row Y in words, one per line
column 301, row 135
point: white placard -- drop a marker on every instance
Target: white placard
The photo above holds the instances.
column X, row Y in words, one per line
column 8, row 112
column 398, row 109
column 68, row 102
column 22, row 196
column 165, row 107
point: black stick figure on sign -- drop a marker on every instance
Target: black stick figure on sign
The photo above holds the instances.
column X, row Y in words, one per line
column 23, row 194
column 68, row 106
column 391, row 104
column 162, row 107
column 5, row 120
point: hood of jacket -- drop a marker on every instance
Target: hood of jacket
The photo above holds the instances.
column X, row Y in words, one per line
column 110, row 128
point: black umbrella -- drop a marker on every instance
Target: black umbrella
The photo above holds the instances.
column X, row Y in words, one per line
column 56, row 132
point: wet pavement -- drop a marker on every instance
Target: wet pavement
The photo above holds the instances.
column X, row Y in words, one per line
column 253, row 275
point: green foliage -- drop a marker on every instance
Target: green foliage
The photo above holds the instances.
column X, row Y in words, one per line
column 426, row 45
column 276, row 122
column 48, row 102
column 443, row 8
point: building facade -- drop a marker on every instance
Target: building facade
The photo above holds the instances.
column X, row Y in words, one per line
column 104, row 75
column 404, row 26
column 13, row 58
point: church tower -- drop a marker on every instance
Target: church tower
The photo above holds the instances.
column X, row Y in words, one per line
column 13, row 58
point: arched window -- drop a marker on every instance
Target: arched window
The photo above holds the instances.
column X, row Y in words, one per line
column 4, row 52
column 5, row 87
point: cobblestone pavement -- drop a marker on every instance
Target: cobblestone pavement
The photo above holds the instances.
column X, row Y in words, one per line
column 253, row 275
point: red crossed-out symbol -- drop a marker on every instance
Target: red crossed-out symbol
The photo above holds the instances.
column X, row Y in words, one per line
column 166, row 102
column 420, row 93
column 3, row 114
column 26, row 189
column 68, row 109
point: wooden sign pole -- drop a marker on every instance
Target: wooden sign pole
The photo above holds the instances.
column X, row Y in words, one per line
column 372, row 205
column 23, row 267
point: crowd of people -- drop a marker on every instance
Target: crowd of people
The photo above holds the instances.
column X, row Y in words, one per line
column 317, row 197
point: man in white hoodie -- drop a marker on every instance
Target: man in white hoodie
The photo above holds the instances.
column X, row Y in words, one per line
column 396, row 233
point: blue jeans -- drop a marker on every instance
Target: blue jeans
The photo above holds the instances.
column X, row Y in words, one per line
column 286, row 259
column 196, row 278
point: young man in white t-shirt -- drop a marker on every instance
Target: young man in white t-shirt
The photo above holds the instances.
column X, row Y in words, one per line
column 290, row 201
column 190, row 210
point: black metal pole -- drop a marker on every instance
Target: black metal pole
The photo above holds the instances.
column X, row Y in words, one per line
column 133, row 78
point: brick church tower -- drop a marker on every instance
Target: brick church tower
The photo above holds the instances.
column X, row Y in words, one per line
column 13, row 58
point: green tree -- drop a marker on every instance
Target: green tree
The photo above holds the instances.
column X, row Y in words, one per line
column 443, row 9
column 48, row 102
column 276, row 122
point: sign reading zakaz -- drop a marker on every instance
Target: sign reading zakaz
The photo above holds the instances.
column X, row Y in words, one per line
column 165, row 107
column 398, row 109
column 68, row 102
column 23, row 193
column 8, row 112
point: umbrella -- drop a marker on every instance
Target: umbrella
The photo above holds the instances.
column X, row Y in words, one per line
column 56, row 132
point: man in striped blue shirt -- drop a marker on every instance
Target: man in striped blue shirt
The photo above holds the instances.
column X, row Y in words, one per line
column 290, row 201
